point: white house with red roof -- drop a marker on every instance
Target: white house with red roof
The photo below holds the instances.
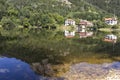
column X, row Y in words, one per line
column 111, row 21
column 69, row 22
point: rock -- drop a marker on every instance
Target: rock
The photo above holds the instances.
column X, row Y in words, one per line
column 86, row 71
column 43, row 69
column 83, row 71
column 37, row 67
column 48, row 69
column 113, row 75
column 45, row 61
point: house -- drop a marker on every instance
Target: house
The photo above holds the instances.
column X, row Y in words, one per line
column 69, row 22
column 111, row 21
column 84, row 25
column 69, row 34
column 83, row 28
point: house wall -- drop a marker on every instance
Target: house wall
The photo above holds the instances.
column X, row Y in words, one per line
column 81, row 28
column 68, row 33
column 111, row 22
column 69, row 22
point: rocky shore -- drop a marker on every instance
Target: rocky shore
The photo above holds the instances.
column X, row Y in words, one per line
column 86, row 71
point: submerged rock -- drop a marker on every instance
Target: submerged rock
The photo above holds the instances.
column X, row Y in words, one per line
column 43, row 69
column 86, row 71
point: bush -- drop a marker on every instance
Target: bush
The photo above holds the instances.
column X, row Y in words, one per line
column 7, row 24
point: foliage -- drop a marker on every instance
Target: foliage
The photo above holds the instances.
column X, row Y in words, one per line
column 44, row 13
column 7, row 23
column 111, row 6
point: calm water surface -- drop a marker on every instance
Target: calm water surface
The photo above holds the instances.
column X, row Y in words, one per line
column 14, row 69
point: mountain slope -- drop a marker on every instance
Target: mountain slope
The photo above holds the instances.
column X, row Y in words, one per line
column 46, row 13
column 111, row 6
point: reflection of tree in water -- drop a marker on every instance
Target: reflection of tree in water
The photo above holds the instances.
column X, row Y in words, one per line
column 111, row 49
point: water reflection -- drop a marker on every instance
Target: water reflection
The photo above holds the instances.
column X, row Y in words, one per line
column 13, row 69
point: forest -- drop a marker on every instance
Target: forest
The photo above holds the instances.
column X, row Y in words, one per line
column 42, row 13
column 111, row 6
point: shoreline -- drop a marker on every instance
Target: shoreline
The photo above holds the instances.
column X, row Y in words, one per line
column 84, row 70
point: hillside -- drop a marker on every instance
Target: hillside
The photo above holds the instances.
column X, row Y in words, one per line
column 46, row 13
column 111, row 6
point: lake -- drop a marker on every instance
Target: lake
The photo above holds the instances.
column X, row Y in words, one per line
column 15, row 69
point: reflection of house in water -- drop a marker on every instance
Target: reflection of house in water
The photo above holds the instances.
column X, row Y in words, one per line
column 83, row 28
column 111, row 21
column 69, row 34
column 110, row 38
column 70, row 25
column 69, row 22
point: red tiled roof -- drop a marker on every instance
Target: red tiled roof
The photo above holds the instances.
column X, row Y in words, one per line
column 85, row 22
column 108, row 40
column 110, row 19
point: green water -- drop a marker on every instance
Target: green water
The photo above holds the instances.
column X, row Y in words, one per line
column 31, row 47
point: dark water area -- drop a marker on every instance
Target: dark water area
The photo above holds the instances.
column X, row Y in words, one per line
column 14, row 69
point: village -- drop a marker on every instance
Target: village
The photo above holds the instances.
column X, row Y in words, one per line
column 85, row 29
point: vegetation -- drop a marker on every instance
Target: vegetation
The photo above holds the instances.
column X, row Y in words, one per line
column 30, row 31
column 111, row 6
column 43, row 13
